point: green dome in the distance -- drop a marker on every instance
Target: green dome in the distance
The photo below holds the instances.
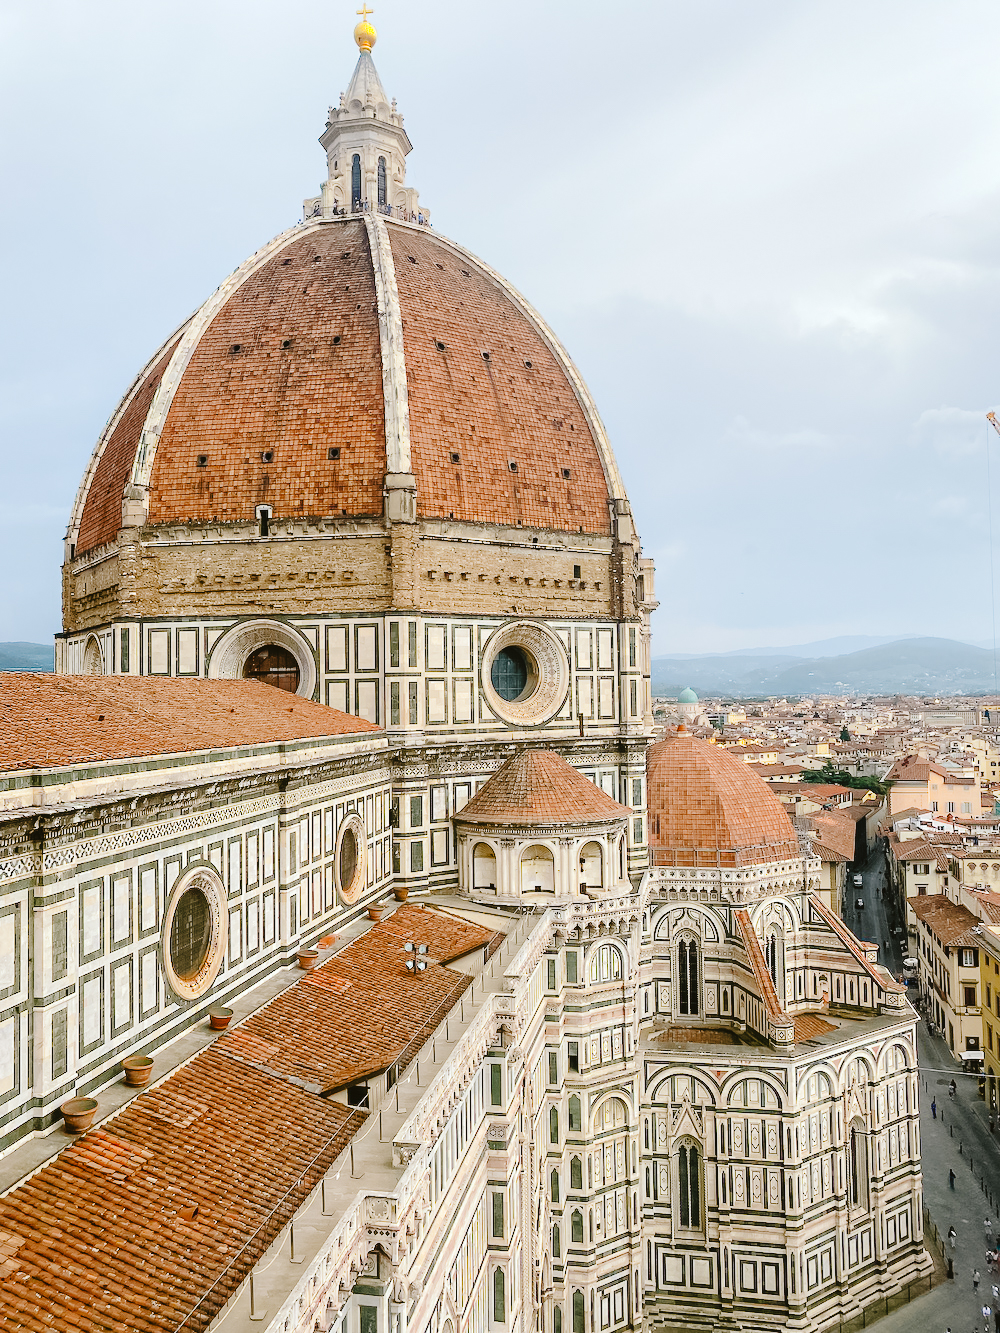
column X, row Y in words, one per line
column 687, row 696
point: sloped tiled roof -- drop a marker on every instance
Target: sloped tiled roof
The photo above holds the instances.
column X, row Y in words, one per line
column 765, row 985
column 50, row 721
column 353, row 1016
column 912, row 768
column 104, row 1242
column 539, row 787
column 707, row 807
column 834, row 832
column 103, row 1239
column 949, row 921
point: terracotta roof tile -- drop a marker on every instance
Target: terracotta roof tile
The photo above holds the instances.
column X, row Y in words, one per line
column 765, row 985
column 707, row 807
column 108, row 1245
column 48, row 721
column 353, row 1016
column 808, row 1026
column 307, row 377
column 291, row 366
column 102, row 509
column 514, row 404
column 156, row 1216
column 949, row 921
column 540, row 787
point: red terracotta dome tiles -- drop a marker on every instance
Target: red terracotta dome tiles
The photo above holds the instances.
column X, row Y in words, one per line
column 102, row 511
column 489, row 412
column 540, row 787
column 706, row 806
column 306, row 378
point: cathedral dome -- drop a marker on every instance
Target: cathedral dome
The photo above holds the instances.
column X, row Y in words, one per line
column 707, row 807
column 349, row 350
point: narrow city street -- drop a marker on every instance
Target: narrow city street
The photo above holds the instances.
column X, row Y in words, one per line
column 876, row 922
column 955, row 1137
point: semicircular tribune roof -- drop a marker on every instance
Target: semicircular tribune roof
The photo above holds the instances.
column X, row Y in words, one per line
column 345, row 349
column 538, row 787
column 708, row 808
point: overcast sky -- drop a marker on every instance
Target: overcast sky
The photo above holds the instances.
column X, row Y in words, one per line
column 767, row 230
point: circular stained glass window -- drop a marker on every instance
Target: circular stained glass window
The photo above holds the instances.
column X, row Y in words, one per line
column 190, row 934
column 273, row 666
column 509, row 673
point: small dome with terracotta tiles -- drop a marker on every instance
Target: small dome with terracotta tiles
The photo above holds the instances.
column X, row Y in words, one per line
column 538, row 787
column 707, row 807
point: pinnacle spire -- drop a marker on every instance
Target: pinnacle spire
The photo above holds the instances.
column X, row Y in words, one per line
column 366, row 146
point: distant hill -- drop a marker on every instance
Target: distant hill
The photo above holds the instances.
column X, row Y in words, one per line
column 845, row 643
column 902, row 666
column 27, row 657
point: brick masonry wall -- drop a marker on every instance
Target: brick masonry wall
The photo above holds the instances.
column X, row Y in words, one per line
column 344, row 567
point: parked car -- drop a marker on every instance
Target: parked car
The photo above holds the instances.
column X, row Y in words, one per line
column 859, row 903
column 858, row 880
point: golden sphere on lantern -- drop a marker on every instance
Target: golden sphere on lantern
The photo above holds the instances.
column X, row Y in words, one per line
column 365, row 35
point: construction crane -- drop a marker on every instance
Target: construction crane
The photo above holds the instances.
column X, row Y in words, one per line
column 991, row 417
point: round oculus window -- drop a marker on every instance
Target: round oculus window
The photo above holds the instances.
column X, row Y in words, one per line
column 265, row 650
column 510, row 673
column 190, row 933
column 273, row 666
column 350, row 854
column 525, row 673
column 193, row 942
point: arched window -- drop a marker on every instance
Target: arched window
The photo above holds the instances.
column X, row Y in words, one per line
column 553, row 1125
column 576, row 1224
column 576, row 1174
column 689, row 1185
column 591, row 866
column 554, row 1186
column 857, row 1166
column 557, row 1319
column 484, row 866
column 575, row 1118
column 687, row 976
column 556, row 1251
column 771, row 954
column 578, row 1316
column 381, row 183
column 355, row 183
column 499, row 1301
column 538, row 874
column 605, row 963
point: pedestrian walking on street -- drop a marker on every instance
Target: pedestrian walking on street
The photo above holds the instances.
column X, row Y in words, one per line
column 975, row 1279
column 988, row 1232
column 951, row 1237
column 933, row 1108
column 987, row 1316
column 951, row 1180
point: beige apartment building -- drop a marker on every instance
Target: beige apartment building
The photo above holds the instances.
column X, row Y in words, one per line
column 920, row 784
column 948, row 941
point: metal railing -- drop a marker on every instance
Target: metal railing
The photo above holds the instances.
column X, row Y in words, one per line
column 237, row 1271
column 257, row 1239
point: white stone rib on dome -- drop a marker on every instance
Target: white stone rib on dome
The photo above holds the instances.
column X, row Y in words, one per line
column 393, row 357
column 390, row 332
column 76, row 513
column 156, row 417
